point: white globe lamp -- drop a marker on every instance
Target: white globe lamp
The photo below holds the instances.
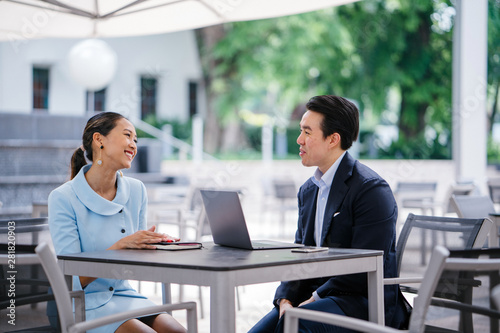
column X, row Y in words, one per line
column 92, row 63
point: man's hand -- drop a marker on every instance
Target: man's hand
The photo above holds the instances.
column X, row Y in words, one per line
column 284, row 305
column 307, row 301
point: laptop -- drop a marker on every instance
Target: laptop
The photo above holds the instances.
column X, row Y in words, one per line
column 228, row 225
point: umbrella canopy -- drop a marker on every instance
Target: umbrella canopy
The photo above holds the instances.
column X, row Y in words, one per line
column 27, row 19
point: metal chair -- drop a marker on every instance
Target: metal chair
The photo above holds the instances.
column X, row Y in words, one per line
column 413, row 253
column 459, row 233
column 462, row 189
column 494, row 190
column 476, row 207
column 445, row 273
column 184, row 215
column 280, row 194
column 285, row 192
column 416, row 195
column 31, row 283
column 473, row 206
column 32, row 286
column 65, row 307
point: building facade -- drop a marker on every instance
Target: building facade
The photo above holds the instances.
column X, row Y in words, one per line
column 156, row 75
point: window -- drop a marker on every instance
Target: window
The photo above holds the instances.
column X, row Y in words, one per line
column 193, row 98
column 99, row 100
column 40, row 88
column 148, row 96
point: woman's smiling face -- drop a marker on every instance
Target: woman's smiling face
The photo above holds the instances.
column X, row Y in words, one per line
column 120, row 145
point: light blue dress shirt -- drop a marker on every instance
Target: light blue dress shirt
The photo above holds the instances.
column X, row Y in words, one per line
column 80, row 220
column 324, row 182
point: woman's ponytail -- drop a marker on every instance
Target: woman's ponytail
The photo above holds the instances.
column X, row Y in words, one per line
column 77, row 161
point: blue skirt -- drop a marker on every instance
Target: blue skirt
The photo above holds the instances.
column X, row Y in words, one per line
column 116, row 304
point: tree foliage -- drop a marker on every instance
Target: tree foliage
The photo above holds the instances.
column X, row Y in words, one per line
column 367, row 51
column 493, row 59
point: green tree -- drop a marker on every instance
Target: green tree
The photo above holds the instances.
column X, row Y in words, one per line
column 493, row 59
column 403, row 46
column 207, row 39
column 364, row 51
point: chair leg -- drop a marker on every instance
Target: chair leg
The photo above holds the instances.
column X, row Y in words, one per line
column 166, row 294
column 238, row 304
column 200, row 296
column 494, row 281
column 423, row 247
column 466, row 323
column 181, row 292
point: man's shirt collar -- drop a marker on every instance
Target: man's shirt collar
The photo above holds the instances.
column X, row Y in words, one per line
column 326, row 178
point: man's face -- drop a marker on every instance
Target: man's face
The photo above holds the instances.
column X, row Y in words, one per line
column 314, row 148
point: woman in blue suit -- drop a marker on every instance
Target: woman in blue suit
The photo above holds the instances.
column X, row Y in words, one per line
column 100, row 209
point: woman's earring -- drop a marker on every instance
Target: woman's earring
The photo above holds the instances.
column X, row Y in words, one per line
column 99, row 161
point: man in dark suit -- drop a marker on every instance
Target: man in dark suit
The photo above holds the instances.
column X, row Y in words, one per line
column 344, row 204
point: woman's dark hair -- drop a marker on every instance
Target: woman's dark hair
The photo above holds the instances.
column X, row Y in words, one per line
column 101, row 123
column 339, row 116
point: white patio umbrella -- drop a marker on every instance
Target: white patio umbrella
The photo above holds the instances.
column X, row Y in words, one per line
column 27, row 19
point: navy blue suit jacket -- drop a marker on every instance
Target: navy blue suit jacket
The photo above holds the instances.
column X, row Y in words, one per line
column 360, row 213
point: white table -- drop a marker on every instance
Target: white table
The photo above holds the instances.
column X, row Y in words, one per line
column 223, row 268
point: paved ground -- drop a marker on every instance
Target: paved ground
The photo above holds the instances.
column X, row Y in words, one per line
column 263, row 222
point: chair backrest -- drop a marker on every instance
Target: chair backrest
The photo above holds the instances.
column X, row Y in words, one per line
column 58, row 284
column 414, row 245
column 454, row 190
column 494, row 190
column 473, row 206
column 409, row 194
column 202, row 225
column 465, row 265
column 416, row 189
column 194, row 201
column 284, row 189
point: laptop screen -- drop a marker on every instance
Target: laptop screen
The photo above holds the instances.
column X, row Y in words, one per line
column 226, row 219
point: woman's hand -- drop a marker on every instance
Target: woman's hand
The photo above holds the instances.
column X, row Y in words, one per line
column 139, row 240
column 142, row 239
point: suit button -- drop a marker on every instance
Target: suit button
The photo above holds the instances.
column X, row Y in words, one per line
column 110, row 288
column 123, row 231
